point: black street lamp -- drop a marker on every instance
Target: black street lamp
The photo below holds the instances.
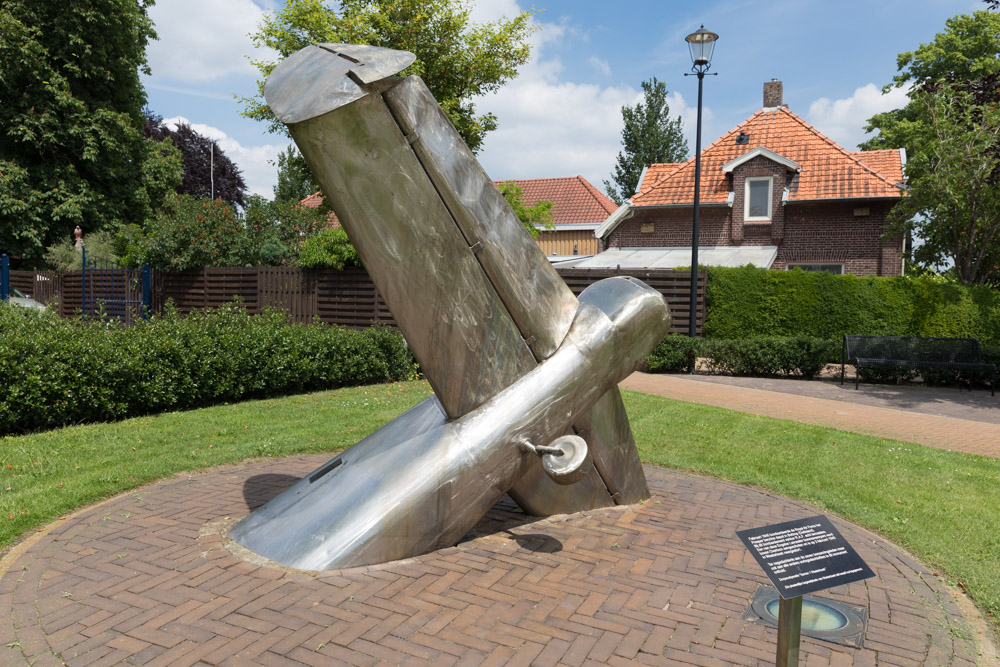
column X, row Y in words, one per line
column 701, row 43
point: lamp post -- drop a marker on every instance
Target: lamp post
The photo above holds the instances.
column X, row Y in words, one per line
column 701, row 43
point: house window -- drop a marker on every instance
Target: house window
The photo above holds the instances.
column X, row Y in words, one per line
column 836, row 269
column 758, row 198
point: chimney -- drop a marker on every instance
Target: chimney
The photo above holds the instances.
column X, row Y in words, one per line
column 772, row 93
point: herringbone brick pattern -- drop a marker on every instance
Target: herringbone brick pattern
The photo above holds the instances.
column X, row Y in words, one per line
column 148, row 578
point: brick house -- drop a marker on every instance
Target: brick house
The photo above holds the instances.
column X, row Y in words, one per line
column 775, row 192
column 578, row 210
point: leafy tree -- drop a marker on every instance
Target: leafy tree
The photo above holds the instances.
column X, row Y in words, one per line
column 71, row 149
column 946, row 125
column 203, row 161
column 953, row 202
column 190, row 233
column 966, row 54
column 648, row 136
column 65, row 256
column 329, row 249
column 457, row 59
column 539, row 214
column 295, row 181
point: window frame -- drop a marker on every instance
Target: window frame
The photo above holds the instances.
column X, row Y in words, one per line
column 746, row 199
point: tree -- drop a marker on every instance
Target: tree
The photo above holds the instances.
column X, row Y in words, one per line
column 208, row 172
column 539, row 214
column 947, row 127
column 295, row 181
column 190, row 232
column 966, row 55
column 649, row 136
column 457, row 59
column 329, row 249
column 953, row 202
column 71, row 149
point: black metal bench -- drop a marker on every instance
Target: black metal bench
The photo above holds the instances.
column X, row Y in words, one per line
column 958, row 354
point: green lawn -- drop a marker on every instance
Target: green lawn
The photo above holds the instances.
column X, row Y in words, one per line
column 942, row 506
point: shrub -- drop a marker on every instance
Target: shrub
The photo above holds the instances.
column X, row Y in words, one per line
column 768, row 356
column 748, row 302
column 674, row 354
column 65, row 371
column 329, row 249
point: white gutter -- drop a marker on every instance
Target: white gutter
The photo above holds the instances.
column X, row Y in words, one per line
column 624, row 212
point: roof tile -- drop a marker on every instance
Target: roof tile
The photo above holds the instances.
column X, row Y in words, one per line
column 828, row 171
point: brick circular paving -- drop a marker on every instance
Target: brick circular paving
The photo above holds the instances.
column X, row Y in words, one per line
column 148, row 578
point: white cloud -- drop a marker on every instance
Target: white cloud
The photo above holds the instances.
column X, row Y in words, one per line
column 549, row 127
column 254, row 161
column 600, row 65
column 203, row 40
column 844, row 120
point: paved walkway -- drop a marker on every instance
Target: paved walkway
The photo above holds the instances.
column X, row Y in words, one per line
column 149, row 578
column 942, row 417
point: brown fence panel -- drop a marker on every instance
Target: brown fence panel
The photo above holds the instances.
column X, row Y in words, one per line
column 41, row 286
column 206, row 288
column 71, row 294
column 675, row 286
column 287, row 288
column 349, row 298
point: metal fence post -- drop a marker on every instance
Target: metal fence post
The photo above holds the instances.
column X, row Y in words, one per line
column 4, row 277
column 147, row 292
column 83, row 281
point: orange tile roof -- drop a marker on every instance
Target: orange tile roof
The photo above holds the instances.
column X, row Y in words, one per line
column 575, row 200
column 885, row 161
column 828, row 171
column 315, row 200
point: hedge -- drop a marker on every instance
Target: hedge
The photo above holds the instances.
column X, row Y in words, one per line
column 762, row 356
column 749, row 302
column 66, row 371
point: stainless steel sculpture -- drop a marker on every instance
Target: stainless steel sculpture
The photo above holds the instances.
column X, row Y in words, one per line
column 524, row 374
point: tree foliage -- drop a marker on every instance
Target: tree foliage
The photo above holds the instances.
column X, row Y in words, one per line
column 208, row 172
column 649, row 136
column 71, row 150
column 329, row 249
column 966, row 55
column 953, row 202
column 539, row 214
column 949, row 131
column 295, row 181
column 190, row 233
column 457, row 59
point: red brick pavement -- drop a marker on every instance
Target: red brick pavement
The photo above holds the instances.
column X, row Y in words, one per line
column 148, row 578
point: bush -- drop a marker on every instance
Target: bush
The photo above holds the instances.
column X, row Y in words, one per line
column 329, row 249
column 674, row 354
column 66, row 371
column 749, row 302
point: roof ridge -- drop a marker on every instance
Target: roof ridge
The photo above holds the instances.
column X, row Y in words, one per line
column 596, row 194
column 682, row 165
column 837, row 146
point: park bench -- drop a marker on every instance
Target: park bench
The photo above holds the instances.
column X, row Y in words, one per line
column 958, row 354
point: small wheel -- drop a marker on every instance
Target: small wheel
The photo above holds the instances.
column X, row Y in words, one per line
column 570, row 466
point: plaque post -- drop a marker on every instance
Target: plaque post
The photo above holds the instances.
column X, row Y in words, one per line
column 789, row 625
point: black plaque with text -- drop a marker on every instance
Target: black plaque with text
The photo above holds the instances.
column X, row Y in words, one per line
column 804, row 556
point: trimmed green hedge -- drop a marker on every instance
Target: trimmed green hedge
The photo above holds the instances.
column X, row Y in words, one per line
column 762, row 356
column 749, row 302
column 57, row 372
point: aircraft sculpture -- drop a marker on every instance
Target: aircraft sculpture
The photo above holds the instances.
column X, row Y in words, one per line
column 524, row 373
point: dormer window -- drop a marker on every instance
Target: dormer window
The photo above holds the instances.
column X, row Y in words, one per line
column 758, row 198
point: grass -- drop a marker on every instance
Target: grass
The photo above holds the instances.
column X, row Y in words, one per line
column 944, row 507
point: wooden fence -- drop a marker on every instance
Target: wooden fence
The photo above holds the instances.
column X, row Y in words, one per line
column 347, row 297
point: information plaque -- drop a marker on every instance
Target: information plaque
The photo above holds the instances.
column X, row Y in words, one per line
column 804, row 556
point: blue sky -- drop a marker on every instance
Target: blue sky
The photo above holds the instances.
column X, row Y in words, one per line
column 562, row 116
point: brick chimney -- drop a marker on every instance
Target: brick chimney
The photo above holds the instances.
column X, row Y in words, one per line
column 772, row 93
